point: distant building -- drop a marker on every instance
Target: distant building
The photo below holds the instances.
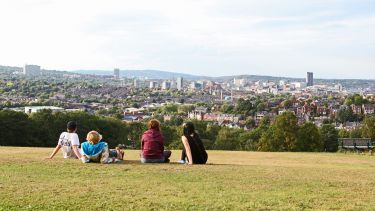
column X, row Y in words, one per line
column 368, row 109
column 239, row 82
column 116, row 73
column 180, row 84
column 166, row 85
column 140, row 84
column 31, row 70
column 153, row 84
column 310, row 79
column 196, row 85
column 34, row 109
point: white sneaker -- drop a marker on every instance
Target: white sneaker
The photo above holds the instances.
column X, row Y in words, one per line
column 117, row 160
column 181, row 161
column 107, row 161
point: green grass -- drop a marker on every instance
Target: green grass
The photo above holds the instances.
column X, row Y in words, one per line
column 230, row 181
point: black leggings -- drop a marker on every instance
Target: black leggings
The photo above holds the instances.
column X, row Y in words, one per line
column 183, row 154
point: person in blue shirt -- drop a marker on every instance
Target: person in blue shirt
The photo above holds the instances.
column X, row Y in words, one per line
column 96, row 150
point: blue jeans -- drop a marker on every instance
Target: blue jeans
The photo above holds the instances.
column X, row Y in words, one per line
column 164, row 159
column 112, row 153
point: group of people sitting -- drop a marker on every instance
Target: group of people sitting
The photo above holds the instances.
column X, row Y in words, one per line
column 95, row 149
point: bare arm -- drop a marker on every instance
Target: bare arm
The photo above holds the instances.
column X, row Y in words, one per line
column 187, row 149
column 76, row 151
column 57, row 148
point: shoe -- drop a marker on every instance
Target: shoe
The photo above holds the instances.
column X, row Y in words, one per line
column 84, row 159
column 107, row 161
column 181, row 161
column 117, row 160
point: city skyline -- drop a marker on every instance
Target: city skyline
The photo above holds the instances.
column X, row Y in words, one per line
column 333, row 39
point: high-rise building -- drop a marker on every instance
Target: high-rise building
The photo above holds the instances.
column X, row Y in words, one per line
column 180, row 82
column 196, row 85
column 136, row 83
column 31, row 70
column 166, row 85
column 153, row 84
column 310, row 79
column 116, row 73
column 239, row 82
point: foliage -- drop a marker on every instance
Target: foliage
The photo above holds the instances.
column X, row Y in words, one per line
column 286, row 130
column 283, row 134
column 16, row 129
column 369, row 128
column 309, row 138
column 329, row 137
column 344, row 114
column 227, row 139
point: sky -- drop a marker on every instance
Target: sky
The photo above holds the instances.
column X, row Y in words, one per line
column 332, row 38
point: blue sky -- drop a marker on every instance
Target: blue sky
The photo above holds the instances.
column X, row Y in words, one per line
column 332, row 38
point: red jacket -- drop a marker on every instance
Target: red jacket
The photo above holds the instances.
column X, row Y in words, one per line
column 152, row 144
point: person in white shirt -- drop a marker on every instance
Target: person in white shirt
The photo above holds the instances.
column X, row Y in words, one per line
column 69, row 142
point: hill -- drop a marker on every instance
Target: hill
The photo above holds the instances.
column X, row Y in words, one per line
column 158, row 74
column 230, row 181
column 151, row 74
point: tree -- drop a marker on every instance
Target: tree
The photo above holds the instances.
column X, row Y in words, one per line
column 250, row 123
column 356, row 133
column 368, row 129
column 16, row 129
column 329, row 137
column 343, row 133
column 286, row 130
column 227, row 139
column 358, row 99
column 243, row 107
column 309, row 138
column 344, row 114
column 169, row 109
column 268, row 141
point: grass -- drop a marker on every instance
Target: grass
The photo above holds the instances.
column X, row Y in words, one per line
column 230, row 181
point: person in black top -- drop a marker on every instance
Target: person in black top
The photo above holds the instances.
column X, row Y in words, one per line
column 193, row 146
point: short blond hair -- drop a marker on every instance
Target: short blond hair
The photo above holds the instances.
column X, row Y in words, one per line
column 93, row 137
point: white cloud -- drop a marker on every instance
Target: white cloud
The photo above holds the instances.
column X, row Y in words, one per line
column 212, row 37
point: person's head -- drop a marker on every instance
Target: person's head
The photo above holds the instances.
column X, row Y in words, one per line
column 71, row 126
column 154, row 124
column 93, row 137
column 188, row 128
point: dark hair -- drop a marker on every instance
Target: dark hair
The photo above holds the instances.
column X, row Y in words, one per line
column 188, row 129
column 72, row 125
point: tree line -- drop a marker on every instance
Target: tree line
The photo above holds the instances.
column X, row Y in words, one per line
column 42, row 129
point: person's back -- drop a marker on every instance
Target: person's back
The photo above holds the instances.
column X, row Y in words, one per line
column 69, row 142
column 66, row 141
column 198, row 152
column 152, row 145
column 194, row 150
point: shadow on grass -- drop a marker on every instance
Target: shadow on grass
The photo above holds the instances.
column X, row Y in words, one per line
column 134, row 162
column 138, row 162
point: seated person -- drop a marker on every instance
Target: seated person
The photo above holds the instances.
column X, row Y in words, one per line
column 193, row 146
column 96, row 150
column 152, row 145
column 69, row 142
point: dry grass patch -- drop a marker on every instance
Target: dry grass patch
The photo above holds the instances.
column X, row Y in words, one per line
column 231, row 180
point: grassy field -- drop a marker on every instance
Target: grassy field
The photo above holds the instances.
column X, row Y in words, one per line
column 230, row 181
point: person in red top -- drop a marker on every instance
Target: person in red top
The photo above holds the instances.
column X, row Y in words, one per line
column 152, row 145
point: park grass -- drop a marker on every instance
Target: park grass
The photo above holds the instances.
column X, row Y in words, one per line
column 230, row 181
